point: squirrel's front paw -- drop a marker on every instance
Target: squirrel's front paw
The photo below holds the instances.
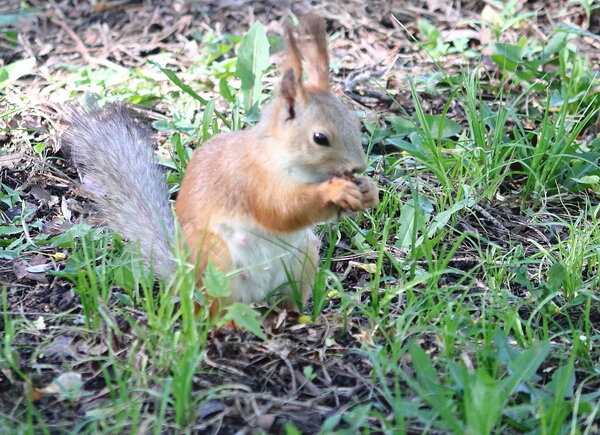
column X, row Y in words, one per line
column 343, row 193
column 370, row 193
column 354, row 194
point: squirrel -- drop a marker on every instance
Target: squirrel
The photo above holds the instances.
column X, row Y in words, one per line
column 249, row 198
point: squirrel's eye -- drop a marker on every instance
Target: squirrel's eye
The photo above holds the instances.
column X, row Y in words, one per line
column 321, row 139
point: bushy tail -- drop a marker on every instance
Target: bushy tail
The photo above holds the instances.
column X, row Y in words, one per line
column 114, row 153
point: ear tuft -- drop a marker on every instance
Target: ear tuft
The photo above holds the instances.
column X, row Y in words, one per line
column 314, row 49
column 293, row 58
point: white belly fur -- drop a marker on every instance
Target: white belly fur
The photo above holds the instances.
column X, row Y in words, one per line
column 262, row 261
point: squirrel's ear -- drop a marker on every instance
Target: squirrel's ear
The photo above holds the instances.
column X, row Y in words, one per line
column 314, row 49
column 290, row 92
column 291, row 89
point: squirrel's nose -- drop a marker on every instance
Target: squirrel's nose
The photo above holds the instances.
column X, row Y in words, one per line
column 355, row 164
column 359, row 167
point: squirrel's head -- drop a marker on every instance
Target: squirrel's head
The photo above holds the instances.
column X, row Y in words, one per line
column 317, row 136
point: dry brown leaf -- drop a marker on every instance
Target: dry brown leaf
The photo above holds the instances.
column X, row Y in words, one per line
column 10, row 161
column 62, row 346
column 364, row 337
column 490, row 15
column 39, row 324
column 64, row 208
column 40, row 194
column 451, row 35
column 211, row 407
column 434, row 5
column 39, row 268
column 265, row 421
column 34, row 269
column 367, row 267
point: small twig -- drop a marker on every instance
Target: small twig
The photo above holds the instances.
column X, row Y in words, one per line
column 140, row 313
column 367, row 255
column 362, row 75
column 310, row 386
column 226, row 368
column 30, row 313
column 85, row 53
column 57, row 9
column 291, row 371
column 26, row 232
column 372, row 93
column 483, row 212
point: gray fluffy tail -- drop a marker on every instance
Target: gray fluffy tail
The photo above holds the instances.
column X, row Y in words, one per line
column 114, row 153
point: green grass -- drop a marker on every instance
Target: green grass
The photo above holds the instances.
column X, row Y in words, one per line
column 468, row 327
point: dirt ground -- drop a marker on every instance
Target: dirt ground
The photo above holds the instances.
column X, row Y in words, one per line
column 375, row 39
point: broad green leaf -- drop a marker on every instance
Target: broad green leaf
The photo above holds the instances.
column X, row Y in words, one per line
column 7, row 230
column 357, row 417
column 504, row 63
column 407, row 224
column 215, row 282
column 124, row 299
column 290, row 429
column 513, row 53
column 253, row 56
column 489, row 116
column 428, row 30
column 75, row 232
column 425, row 204
column 245, row 317
column 11, row 197
column 402, row 126
column 10, row 254
column 522, row 277
column 207, row 116
column 579, row 172
column 253, row 60
column 423, row 367
column 330, row 424
column 16, row 70
column 442, row 127
column 557, row 98
column 568, row 28
column 506, row 352
column 555, row 44
column 411, row 148
column 556, row 276
column 225, row 91
column 439, row 397
column 526, row 75
column 563, row 382
column 483, row 401
column 524, row 367
column 587, row 179
column 14, row 17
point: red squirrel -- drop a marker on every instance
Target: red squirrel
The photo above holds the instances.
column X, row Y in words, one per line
column 248, row 199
